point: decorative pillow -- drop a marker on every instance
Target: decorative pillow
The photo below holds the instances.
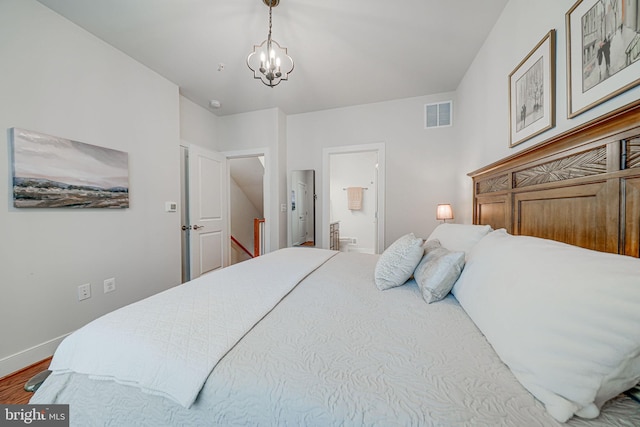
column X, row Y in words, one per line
column 396, row 264
column 430, row 245
column 438, row 271
column 459, row 237
column 566, row 320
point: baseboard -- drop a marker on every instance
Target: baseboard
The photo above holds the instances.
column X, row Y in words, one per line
column 15, row 362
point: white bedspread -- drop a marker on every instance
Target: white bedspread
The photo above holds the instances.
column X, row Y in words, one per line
column 169, row 343
column 339, row 352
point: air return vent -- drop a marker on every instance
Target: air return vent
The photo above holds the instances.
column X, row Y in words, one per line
column 438, row 115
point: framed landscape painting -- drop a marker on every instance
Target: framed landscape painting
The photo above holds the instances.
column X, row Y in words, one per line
column 52, row 172
column 532, row 92
column 603, row 51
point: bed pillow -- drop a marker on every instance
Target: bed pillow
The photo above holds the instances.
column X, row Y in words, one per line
column 396, row 264
column 566, row 320
column 437, row 271
column 459, row 237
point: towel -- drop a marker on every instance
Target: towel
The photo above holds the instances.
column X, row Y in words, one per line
column 354, row 198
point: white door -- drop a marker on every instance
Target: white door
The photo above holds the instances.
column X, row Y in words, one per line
column 303, row 212
column 209, row 236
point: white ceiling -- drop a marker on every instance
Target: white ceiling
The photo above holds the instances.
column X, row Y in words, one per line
column 346, row 52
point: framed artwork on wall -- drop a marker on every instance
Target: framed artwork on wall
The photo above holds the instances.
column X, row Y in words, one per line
column 53, row 172
column 603, row 51
column 532, row 90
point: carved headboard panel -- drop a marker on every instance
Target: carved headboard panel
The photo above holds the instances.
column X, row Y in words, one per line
column 581, row 187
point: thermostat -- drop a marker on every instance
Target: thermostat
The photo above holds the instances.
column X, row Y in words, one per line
column 170, row 206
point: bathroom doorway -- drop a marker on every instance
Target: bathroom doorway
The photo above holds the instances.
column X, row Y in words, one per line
column 354, row 187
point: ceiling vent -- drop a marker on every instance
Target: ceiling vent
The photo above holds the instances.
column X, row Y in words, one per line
column 438, row 115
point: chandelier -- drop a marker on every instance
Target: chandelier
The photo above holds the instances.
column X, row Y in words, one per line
column 269, row 61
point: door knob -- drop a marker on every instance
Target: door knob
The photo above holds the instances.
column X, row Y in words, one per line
column 196, row 227
column 185, row 228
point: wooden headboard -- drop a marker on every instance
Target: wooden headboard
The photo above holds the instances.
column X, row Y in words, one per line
column 581, row 187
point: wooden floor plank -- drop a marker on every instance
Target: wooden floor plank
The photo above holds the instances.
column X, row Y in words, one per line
column 12, row 386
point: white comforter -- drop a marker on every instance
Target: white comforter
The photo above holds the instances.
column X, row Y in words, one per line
column 169, row 343
column 339, row 352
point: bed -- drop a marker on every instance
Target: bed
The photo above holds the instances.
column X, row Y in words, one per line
column 332, row 348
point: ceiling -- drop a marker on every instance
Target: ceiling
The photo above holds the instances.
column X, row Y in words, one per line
column 346, row 52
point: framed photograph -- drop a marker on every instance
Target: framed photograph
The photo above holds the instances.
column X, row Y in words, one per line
column 52, row 172
column 603, row 51
column 532, row 92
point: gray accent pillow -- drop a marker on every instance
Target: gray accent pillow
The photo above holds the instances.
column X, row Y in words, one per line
column 438, row 271
column 396, row 264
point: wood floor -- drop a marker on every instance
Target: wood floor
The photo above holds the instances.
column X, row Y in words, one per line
column 12, row 386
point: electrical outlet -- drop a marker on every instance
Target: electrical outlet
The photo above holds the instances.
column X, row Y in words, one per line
column 109, row 285
column 84, row 291
column 283, row 207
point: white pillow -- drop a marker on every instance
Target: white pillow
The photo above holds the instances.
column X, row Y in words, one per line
column 566, row 320
column 459, row 237
column 437, row 271
column 396, row 264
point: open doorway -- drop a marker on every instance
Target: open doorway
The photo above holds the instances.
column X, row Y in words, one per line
column 354, row 186
column 246, row 204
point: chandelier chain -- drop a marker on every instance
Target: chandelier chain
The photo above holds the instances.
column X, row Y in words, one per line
column 270, row 8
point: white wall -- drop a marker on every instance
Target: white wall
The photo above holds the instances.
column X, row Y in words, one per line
column 198, row 125
column 59, row 80
column 418, row 161
column 483, row 94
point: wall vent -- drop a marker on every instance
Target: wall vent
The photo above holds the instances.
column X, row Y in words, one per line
column 438, row 115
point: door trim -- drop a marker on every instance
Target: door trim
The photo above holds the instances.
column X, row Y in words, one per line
column 378, row 148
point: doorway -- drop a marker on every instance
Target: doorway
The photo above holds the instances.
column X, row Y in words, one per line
column 257, row 162
column 189, row 254
column 359, row 168
column 246, row 204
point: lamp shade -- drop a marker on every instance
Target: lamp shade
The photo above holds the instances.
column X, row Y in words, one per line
column 444, row 212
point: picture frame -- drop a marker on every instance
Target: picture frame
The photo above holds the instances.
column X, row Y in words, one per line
column 52, row 172
column 532, row 92
column 603, row 52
